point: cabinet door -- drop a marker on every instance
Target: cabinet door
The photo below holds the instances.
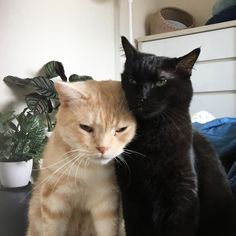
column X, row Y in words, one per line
column 214, row 75
column 217, row 44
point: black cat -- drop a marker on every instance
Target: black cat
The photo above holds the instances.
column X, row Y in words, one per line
column 175, row 186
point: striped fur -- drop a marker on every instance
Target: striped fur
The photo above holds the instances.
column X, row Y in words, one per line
column 76, row 192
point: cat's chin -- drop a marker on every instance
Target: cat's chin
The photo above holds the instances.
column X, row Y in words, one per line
column 102, row 160
column 146, row 115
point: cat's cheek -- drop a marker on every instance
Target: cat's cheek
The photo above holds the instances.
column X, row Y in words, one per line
column 124, row 139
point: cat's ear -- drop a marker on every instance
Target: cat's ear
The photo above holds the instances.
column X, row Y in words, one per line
column 187, row 62
column 70, row 92
column 129, row 49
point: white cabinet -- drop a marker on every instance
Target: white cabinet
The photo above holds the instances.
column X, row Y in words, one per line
column 214, row 75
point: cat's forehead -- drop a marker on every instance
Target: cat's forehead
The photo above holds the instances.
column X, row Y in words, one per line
column 104, row 111
column 151, row 67
column 105, row 118
column 154, row 64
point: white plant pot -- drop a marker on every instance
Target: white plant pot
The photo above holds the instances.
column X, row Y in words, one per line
column 15, row 174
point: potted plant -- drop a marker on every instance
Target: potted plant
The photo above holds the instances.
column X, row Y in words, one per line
column 22, row 138
column 43, row 98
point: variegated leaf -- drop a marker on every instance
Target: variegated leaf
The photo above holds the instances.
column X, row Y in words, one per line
column 53, row 69
column 44, row 86
column 37, row 103
column 75, row 77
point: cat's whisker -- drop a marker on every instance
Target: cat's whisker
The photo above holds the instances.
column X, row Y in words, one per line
column 69, row 171
column 55, row 172
column 122, row 160
column 177, row 115
column 68, row 168
column 47, row 179
column 183, row 121
column 59, row 178
column 168, row 116
column 132, row 151
column 87, row 163
column 62, row 159
column 54, row 164
column 78, row 167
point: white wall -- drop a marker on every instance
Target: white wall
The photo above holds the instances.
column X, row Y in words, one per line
column 79, row 33
column 82, row 34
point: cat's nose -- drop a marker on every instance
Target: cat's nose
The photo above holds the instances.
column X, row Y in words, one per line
column 102, row 149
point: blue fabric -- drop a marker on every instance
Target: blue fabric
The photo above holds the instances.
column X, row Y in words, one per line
column 220, row 132
column 225, row 15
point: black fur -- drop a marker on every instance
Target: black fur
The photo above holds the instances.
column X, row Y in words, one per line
column 178, row 188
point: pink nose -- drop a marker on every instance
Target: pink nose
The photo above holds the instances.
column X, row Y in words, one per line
column 102, row 149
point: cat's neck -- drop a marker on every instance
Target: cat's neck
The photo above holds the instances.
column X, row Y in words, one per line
column 171, row 128
column 174, row 116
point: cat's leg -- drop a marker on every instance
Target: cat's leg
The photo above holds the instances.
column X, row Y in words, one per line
column 34, row 217
column 56, row 210
column 176, row 210
column 106, row 215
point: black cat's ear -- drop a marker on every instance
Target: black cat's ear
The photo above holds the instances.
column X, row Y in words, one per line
column 128, row 47
column 187, row 62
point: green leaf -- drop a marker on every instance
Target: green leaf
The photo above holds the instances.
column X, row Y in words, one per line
column 37, row 103
column 13, row 80
column 44, row 87
column 53, row 69
column 6, row 117
column 13, row 126
column 75, row 77
column 24, row 139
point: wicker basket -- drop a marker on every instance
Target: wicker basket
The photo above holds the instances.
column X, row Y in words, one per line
column 170, row 19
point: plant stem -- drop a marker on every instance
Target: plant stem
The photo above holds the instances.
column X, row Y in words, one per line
column 49, row 122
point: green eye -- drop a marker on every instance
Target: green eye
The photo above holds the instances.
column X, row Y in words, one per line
column 160, row 83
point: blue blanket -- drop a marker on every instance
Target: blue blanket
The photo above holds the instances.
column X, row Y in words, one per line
column 222, row 134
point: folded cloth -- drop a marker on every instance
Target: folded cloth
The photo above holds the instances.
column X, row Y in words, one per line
column 202, row 117
column 221, row 5
column 221, row 133
column 225, row 15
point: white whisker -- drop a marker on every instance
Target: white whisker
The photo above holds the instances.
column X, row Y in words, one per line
column 132, row 151
column 49, row 177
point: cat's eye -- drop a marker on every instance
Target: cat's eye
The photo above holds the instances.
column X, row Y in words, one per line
column 86, row 128
column 160, row 83
column 121, row 130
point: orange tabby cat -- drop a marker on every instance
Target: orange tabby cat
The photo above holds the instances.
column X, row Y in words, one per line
column 76, row 192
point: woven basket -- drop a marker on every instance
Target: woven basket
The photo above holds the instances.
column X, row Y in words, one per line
column 170, row 19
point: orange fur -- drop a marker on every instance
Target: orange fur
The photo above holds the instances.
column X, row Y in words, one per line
column 76, row 192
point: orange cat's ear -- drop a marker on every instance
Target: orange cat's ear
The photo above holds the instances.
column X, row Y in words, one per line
column 70, row 92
